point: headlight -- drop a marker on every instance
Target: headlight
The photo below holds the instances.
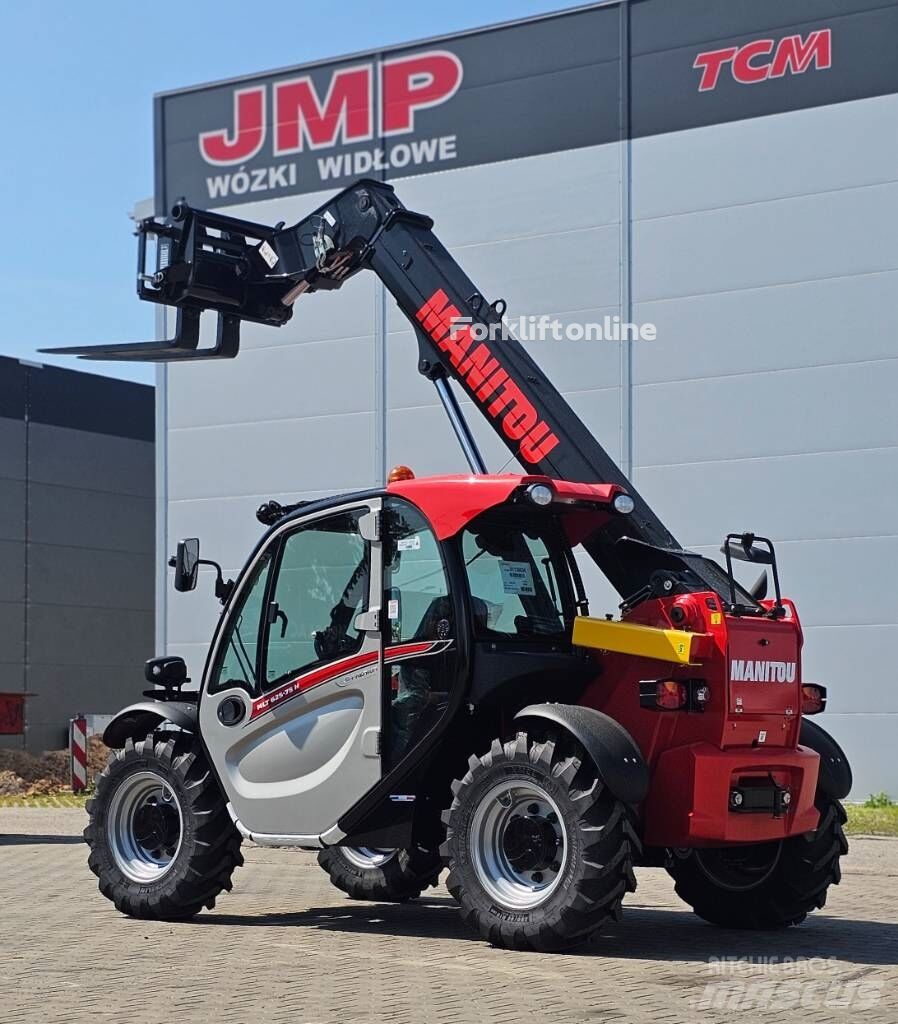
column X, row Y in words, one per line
column 540, row 494
column 624, row 504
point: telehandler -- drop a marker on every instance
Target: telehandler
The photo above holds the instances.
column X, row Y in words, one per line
column 408, row 678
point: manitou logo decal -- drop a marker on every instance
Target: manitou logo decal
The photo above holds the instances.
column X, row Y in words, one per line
column 379, row 99
column 762, row 59
column 486, row 378
column 762, row 671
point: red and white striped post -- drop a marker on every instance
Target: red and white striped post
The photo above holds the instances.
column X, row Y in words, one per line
column 78, row 753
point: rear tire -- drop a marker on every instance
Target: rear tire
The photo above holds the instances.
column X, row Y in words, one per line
column 540, row 852
column 384, row 876
column 767, row 885
column 161, row 841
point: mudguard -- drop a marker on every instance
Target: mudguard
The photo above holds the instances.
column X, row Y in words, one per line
column 613, row 751
column 140, row 719
column 835, row 772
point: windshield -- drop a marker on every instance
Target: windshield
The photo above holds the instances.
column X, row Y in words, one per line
column 518, row 578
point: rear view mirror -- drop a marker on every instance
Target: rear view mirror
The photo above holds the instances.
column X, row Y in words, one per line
column 187, row 563
column 742, row 547
column 759, row 590
column 747, row 547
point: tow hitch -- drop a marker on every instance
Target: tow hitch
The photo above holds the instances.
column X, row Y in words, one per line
column 759, row 796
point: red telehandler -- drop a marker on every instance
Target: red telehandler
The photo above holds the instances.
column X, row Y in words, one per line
column 408, row 677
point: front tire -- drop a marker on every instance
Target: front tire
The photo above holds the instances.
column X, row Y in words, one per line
column 161, row 841
column 764, row 885
column 540, row 852
column 384, row 876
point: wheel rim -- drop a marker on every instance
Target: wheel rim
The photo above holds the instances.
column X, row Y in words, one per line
column 739, row 868
column 367, row 856
column 518, row 844
column 144, row 827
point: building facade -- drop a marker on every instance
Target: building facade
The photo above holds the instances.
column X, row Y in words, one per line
column 724, row 172
column 76, row 545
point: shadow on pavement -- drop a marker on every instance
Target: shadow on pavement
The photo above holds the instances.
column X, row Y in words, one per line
column 34, row 840
column 644, row 934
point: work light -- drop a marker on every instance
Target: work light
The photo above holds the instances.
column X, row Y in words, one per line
column 540, row 494
column 624, row 504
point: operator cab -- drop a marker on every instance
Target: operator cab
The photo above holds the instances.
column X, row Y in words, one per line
column 362, row 626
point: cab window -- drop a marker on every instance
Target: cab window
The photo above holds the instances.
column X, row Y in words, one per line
column 414, row 579
column 419, row 609
column 518, row 578
column 238, row 654
column 322, row 584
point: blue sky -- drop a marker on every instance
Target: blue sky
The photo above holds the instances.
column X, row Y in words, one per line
column 77, row 134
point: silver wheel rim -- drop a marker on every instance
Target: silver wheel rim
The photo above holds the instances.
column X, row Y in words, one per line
column 367, row 856
column 518, row 844
column 145, row 827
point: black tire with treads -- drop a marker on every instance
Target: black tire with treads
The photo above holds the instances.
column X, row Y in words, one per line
column 600, row 833
column 403, row 877
column 210, row 843
column 796, row 884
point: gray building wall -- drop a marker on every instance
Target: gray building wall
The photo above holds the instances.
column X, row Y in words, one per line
column 76, row 544
column 760, row 238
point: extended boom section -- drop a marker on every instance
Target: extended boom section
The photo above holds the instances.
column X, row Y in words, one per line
column 246, row 271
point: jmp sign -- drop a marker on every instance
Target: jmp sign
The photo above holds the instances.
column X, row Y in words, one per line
column 476, row 98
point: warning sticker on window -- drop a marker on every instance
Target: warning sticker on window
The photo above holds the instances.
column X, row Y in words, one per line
column 409, row 543
column 517, row 578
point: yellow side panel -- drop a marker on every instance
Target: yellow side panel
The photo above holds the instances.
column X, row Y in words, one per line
column 627, row 638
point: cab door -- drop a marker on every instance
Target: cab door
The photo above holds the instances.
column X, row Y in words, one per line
column 291, row 709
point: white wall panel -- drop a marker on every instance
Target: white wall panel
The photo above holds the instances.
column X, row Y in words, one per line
column 820, row 496
column 853, row 662
column 869, row 742
column 807, row 323
column 317, row 378
column 335, row 451
column 819, row 235
column 542, row 195
column 819, row 149
column 814, row 409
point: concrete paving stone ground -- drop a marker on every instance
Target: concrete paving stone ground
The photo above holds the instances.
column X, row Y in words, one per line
column 285, row 946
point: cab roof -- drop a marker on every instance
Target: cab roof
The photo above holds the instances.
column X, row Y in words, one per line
column 450, row 502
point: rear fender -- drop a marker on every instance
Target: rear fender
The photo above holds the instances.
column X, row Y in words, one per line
column 138, row 720
column 834, row 778
column 613, row 751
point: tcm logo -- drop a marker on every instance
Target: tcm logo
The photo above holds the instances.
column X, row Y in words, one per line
column 762, row 671
column 765, row 58
column 487, row 380
column 302, row 119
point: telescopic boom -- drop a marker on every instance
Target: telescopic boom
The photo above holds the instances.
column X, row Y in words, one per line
column 246, row 271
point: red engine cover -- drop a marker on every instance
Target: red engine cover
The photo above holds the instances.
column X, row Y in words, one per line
column 763, row 666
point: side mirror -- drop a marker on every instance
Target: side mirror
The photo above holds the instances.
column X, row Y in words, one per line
column 742, row 547
column 186, row 563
